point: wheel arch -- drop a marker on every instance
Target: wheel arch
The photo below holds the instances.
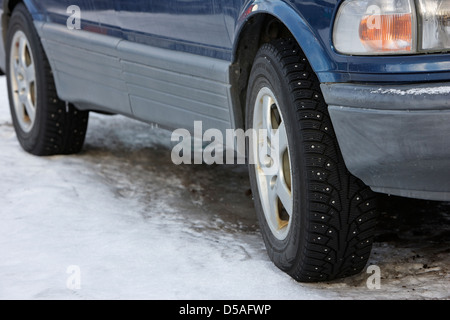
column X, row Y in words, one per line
column 262, row 22
column 8, row 8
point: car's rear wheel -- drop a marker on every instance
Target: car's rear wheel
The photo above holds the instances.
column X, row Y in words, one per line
column 44, row 124
column 317, row 220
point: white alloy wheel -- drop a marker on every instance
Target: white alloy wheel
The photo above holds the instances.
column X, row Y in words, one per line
column 272, row 163
column 23, row 81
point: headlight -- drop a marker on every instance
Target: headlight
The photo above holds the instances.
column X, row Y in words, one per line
column 434, row 24
column 374, row 27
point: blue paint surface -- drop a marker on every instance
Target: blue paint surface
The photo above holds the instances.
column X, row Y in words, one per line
column 212, row 28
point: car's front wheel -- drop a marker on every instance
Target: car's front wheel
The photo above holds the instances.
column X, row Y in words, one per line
column 44, row 124
column 317, row 220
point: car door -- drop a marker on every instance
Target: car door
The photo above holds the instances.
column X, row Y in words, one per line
column 107, row 16
column 230, row 11
column 57, row 11
column 175, row 58
column 188, row 25
column 83, row 54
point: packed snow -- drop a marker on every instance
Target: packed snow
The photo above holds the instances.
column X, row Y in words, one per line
column 120, row 221
column 416, row 91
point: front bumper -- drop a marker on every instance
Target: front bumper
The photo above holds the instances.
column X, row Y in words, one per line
column 395, row 138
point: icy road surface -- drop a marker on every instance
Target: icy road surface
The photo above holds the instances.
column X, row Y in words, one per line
column 132, row 225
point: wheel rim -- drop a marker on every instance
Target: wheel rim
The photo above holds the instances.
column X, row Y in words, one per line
column 272, row 164
column 23, row 81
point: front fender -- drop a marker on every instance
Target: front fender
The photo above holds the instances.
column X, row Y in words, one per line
column 312, row 45
column 5, row 14
column 6, row 7
column 32, row 5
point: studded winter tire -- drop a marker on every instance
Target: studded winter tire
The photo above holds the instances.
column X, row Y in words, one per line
column 317, row 220
column 44, row 124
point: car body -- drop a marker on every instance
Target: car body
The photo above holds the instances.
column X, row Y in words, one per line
column 410, row 157
column 175, row 62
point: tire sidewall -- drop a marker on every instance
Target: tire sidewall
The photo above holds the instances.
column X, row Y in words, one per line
column 21, row 21
column 266, row 72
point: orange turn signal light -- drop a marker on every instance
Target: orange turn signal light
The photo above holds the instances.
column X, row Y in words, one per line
column 387, row 33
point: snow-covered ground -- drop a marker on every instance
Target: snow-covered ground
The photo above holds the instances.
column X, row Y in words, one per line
column 122, row 222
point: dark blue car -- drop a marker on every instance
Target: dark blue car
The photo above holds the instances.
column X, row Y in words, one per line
column 353, row 96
